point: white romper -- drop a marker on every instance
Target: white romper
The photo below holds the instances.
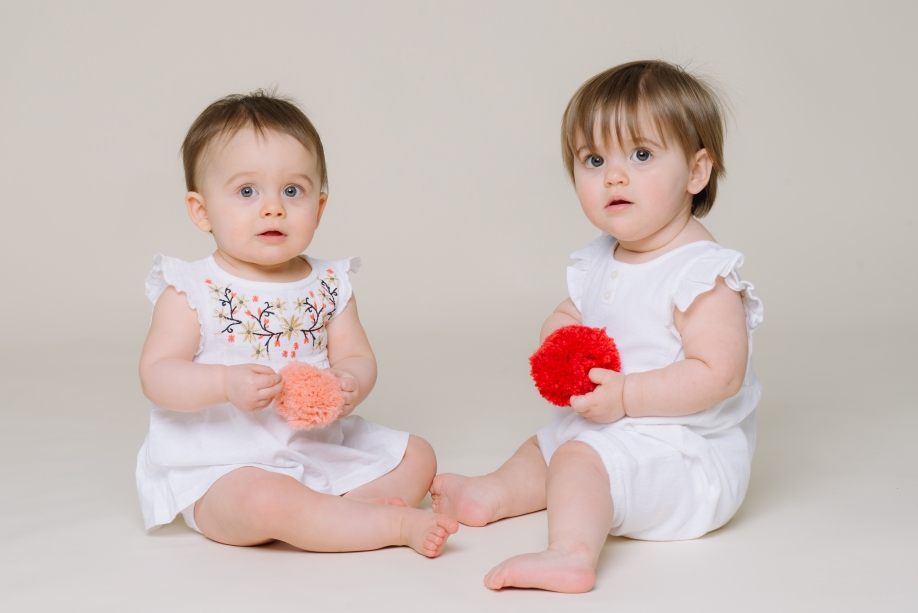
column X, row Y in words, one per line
column 264, row 323
column 671, row 478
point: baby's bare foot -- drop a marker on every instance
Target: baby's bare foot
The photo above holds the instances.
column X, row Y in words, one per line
column 395, row 501
column 469, row 499
column 556, row 571
column 427, row 532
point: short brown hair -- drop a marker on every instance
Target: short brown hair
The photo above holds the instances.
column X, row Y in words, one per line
column 680, row 106
column 261, row 110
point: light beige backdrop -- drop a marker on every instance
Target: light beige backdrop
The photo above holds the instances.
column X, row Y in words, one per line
column 440, row 121
column 441, row 126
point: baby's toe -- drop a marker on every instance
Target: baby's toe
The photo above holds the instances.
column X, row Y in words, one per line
column 436, row 535
column 432, row 548
column 494, row 579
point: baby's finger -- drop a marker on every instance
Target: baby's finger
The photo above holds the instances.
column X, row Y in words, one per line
column 348, row 384
column 597, row 375
column 580, row 403
column 268, row 379
column 261, row 369
column 261, row 404
column 254, row 405
column 270, row 392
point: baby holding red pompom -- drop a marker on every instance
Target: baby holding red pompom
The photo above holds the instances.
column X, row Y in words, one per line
column 659, row 446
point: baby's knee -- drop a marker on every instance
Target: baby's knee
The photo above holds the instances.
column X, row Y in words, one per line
column 576, row 453
column 421, row 454
column 260, row 506
column 242, row 508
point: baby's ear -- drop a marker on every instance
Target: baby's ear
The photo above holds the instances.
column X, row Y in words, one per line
column 323, row 199
column 700, row 171
column 197, row 210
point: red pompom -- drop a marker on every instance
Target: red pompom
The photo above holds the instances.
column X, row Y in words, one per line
column 311, row 398
column 561, row 366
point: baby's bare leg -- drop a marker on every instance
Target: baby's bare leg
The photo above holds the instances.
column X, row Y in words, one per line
column 250, row 506
column 407, row 483
column 579, row 519
column 516, row 488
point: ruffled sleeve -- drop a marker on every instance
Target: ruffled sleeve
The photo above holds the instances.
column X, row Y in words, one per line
column 168, row 271
column 341, row 270
column 700, row 276
column 577, row 272
column 171, row 272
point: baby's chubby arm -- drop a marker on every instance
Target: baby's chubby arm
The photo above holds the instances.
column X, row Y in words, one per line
column 171, row 380
column 565, row 314
column 715, row 342
column 350, row 357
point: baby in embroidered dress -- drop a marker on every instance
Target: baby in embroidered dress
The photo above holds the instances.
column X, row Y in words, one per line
column 217, row 452
column 661, row 450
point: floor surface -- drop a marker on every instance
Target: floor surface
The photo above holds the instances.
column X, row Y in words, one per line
column 828, row 523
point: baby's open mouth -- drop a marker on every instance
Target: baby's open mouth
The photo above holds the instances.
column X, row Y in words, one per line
column 272, row 236
column 619, row 201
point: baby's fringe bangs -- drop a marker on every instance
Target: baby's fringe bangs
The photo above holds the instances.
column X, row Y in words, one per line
column 263, row 111
column 679, row 106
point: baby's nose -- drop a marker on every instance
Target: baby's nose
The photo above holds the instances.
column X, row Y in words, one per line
column 616, row 176
column 272, row 208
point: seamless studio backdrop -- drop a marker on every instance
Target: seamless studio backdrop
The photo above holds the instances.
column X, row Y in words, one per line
column 440, row 124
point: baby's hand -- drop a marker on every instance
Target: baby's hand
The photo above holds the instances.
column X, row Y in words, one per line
column 251, row 387
column 351, row 388
column 604, row 404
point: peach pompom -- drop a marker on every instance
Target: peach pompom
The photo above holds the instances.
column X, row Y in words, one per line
column 311, row 398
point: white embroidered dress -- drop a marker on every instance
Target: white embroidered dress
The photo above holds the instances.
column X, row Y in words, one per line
column 266, row 323
column 671, row 477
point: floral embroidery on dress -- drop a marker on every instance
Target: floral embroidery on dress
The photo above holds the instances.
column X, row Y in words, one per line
column 244, row 318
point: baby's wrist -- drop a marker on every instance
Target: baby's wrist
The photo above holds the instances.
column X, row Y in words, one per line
column 221, row 382
column 630, row 404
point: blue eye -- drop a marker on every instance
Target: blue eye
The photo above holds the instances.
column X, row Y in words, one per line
column 292, row 191
column 247, row 192
column 640, row 155
column 594, row 161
